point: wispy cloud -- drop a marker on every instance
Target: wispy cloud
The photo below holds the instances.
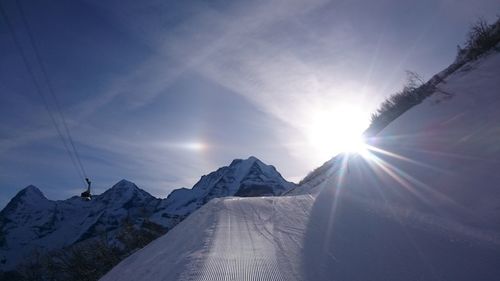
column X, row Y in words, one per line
column 236, row 49
column 207, row 40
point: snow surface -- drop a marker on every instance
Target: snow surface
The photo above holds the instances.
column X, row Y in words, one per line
column 238, row 237
column 424, row 206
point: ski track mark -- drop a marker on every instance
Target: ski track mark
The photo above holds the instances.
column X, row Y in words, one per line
column 239, row 250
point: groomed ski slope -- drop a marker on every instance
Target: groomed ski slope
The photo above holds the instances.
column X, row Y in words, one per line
column 227, row 239
column 423, row 205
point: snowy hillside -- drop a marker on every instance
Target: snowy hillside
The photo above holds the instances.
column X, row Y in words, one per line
column 30, row 221
column 422, row 204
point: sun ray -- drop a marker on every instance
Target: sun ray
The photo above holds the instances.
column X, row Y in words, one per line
column 410, row 183
column 403, row 158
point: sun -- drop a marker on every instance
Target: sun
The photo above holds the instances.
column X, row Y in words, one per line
column 337, row 130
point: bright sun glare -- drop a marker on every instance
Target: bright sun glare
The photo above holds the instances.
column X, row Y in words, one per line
column 338, row 130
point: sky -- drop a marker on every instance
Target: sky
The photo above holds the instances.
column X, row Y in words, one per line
column 163, row 92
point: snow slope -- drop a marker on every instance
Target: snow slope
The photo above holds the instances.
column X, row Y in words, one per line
column 227, row 239
column 423, row 204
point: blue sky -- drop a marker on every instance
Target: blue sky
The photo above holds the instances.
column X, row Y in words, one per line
column 162, row 92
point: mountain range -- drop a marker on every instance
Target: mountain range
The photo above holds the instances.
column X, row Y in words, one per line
column 31, row 222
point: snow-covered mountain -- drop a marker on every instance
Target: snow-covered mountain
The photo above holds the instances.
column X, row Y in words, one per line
column 31, row 221
column 244, row 178
column 423, row 203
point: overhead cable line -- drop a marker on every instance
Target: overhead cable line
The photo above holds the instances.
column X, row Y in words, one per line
column 72, row 154
column 50, row 87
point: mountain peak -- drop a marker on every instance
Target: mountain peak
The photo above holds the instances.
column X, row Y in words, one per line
column 250, row 159
column 124, row 190
column 124, row 184
column 29, row 195
column 122, row 187
column 30, row 191
column 250, row 172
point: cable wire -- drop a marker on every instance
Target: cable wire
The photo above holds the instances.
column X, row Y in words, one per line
column 74, row 158
column 50, row 87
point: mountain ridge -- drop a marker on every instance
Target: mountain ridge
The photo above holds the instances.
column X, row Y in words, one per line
column 31, row 219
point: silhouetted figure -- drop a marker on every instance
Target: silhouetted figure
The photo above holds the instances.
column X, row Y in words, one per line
column 86, row 194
